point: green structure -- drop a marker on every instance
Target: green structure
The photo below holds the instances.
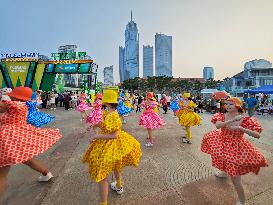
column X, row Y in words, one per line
column 41, row 75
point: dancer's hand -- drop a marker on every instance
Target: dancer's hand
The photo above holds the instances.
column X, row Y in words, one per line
column 237, row 118
column 235, row 127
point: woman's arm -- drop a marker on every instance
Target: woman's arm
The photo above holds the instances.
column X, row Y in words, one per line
column 247, row 131
column 223, row 124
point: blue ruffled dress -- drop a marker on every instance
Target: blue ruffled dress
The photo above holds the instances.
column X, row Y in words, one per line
column 36, row 118
column 174, row 105
column 122, row 108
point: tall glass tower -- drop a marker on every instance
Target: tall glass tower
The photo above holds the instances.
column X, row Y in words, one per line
column 148, row 61
column 163, row 55
column 131, row 52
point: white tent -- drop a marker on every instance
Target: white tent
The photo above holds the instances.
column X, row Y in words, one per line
column 208, row 91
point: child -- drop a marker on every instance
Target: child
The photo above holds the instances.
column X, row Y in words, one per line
column 175, row 105
column 83, row 106
column 123, row 110
column 95, row 117
column 230, row 151
column 150, row 119
column 187, row 116
column 35, row 117
column 111, row 150
column 21, row 142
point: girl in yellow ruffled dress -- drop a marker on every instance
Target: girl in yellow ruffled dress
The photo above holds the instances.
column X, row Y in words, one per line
column 111, row 149
column 187, row 117
column 127, row 101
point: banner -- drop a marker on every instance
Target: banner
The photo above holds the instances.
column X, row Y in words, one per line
column 17, row 72
column 38, row 76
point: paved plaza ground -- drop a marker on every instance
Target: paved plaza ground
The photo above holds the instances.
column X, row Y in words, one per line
column 170, row 173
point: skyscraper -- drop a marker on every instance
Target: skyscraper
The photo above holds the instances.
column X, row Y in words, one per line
column 108, row 75
column 131, row 52
column 208, row 73
column 148, row 61
column 122, row 73
column 163, row 55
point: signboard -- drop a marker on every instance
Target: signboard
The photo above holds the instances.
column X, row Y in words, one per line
column 19, row 55
column 84, row 68
column 17, row 72
column 66, row 68
column 68, row 56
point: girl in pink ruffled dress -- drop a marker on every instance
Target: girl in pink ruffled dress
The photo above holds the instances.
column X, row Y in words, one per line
column 83, row 106
column 150, row 119
column 95, row 117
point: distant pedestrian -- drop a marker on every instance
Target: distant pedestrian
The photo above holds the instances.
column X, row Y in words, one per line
column 252, row 104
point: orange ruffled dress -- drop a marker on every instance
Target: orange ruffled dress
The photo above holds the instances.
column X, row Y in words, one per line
column 19, row 141
column 106, row 155
column 188, row 118
column 231, row 151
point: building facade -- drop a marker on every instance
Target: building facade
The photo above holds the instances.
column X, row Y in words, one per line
column 122, row 71
column 70, row 80
column 148, row 64
column 130, row 56
column 256, row 73
column 163, row 55
column 108, row 75
column 208, row 73
column 67, row 48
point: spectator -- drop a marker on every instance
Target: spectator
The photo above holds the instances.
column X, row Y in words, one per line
column 164, row 103
column 252, row 104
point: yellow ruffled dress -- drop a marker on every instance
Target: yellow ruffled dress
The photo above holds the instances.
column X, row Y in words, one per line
column 106, row 155
column 188, row 118
column 128, row 104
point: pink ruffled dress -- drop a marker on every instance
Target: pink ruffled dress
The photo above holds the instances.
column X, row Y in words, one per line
column 95, row 117
column 83, row 106
column 230, row 151
column 149, row 118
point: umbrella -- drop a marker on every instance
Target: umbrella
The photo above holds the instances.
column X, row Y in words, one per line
column 220, row 95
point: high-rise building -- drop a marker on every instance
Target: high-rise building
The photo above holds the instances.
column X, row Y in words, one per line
column 70, row 80
column 130, row 62
column 108, row 75
column 163, row 55
column 67, row 48
column 208, row 73
column 148, row 64
column 122, row 73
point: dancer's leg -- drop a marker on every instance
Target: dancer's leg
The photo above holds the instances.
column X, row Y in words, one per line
column 236, row 180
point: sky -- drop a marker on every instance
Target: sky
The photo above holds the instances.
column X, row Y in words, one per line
column 223, row 34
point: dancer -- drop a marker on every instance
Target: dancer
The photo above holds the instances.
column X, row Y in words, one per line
column 21, row 142
column 150, row 119
column 127, row 101
column 123, row 110
column 175, row 105
column 83, row 106
column 35, row 117
column 95, row 117
column 111, row 150
column 230, row 151
column 187, row 116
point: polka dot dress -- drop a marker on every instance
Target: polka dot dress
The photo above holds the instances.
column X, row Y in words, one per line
column 106, row 155
column 149, row 118
column 19, row 141
column 95, row 117
column 231, row 151
column 188, row 118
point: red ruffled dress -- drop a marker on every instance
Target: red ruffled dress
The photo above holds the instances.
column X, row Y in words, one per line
column 19, row 141
column 149, row 118
column 95, row 117
column 230, row 151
